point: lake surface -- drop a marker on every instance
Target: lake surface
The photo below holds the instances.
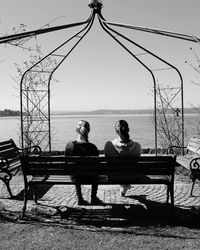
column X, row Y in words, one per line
column 102, row 128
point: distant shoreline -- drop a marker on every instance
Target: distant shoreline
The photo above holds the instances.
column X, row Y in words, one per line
column 116, row 112
column 12, row 113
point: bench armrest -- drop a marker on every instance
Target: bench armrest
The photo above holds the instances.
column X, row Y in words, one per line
column 171, row 149
column 3, row 163
column 34, row 149
column 195, row 164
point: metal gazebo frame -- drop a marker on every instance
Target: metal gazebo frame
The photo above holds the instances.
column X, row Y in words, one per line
column 35, row 91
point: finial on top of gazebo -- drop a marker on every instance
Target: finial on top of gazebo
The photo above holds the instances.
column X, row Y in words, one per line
column 95, row 4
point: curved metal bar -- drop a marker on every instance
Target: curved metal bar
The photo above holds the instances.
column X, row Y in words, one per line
column 104, row 24
column 181, row 36
column 89, row 23
column 103, row 21
column 195, row 171
column 105, row 27
column 195, row 164
column 50, row 77
column 6, row 39
column 154, row 55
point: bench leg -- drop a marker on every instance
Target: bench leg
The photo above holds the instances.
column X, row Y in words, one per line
column 172, row 198
column 34, row 194
column 193, row 182
column 25, row 200
column 6, row 179
column 170, row 192
column 27, row 190
column 8, row 188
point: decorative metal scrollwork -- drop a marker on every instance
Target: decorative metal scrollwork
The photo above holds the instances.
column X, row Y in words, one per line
column 5, row 174
column 195, row 169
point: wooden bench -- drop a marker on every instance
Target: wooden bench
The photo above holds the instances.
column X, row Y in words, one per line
column 10, row 161
column 190, row 159
column 51, row 170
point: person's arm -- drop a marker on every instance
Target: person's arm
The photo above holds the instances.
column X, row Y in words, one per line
column 69, row 148
column 139, row 149
column 95, row 151
column 108, row 149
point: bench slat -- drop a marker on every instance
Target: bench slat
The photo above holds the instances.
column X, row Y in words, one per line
column 194, row 145
column 8, row 142
column 9, row 154
column 64, row 179
column 103, row 179
column 96, row 166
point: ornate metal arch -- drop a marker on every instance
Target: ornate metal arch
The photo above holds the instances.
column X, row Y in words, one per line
column 36, row 81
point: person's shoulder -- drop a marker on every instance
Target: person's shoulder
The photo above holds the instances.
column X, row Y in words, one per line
column 137, row 144
column 69, row 148
column 110, row 150
column 138, row 147
column 91, row 146
column 108, row 143
column 70, row 144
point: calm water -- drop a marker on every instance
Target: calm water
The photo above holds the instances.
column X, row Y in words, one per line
column 102, row 129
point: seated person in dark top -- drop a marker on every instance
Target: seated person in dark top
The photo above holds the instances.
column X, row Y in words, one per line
column 82, row 147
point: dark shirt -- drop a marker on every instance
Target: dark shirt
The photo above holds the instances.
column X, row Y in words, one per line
column 74, row 148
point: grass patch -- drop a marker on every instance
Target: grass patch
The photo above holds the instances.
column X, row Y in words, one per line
column 40, row 236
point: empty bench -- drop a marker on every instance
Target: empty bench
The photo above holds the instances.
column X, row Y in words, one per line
column 55, row 170
column 190, row 159
column 10, row 162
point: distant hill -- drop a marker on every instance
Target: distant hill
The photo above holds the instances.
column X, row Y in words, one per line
column 116, row 111
column 103, row 112
column 8, row 112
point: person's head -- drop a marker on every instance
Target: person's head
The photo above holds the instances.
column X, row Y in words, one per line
column 83, row 129
column 122, row 130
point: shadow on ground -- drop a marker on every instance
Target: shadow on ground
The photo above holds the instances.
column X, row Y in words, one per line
column 149, row 213
column 125, row 216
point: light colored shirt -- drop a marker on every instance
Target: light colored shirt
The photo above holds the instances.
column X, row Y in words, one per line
column 118, row 148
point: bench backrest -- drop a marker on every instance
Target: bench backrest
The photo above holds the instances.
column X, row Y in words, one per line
column 95, row 165
column 194, row 145
column 9, row 156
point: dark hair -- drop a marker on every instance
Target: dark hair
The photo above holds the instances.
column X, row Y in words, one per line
column 83, row 128
column 122, row 129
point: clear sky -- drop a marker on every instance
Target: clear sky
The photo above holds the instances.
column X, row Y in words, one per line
column 99, row 74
